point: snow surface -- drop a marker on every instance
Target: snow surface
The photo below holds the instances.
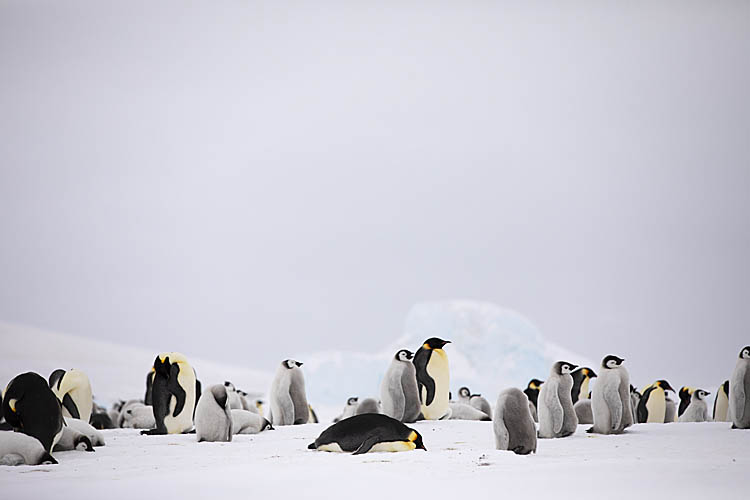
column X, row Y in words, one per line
column 651, row 461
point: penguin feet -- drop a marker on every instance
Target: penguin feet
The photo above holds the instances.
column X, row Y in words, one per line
column 590, row 430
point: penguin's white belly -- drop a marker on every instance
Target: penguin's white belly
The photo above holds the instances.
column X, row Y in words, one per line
column 332, row 447
column 656, row 406
column 583, row 393
column 437, row 369
column 393, row 446
column 722, row 404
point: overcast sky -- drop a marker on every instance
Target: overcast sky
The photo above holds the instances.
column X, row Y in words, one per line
column 250, row 179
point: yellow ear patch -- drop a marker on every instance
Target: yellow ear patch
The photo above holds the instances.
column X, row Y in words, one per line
column 412, row 436
column 426, row 346
column 12, row 404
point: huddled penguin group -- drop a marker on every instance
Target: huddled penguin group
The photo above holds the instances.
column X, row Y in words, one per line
column 39, row 417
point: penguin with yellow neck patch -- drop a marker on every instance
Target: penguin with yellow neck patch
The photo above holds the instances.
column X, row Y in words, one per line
column 368, row 432
column 433, row 378
column 721, row 403
column 685, row 394
column 652, row 407
column 581, row 378
column 173, row 394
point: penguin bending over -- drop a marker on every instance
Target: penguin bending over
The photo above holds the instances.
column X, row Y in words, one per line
column 684, row 395
column 461, row 411
column 213, row 417
column 368, row 432
column 557, row 418
column 480, row 403
column 697, row 410
column 247, row 422
column 433, row 378
column 581, row 378
column 368, row 405
column 17, row 448
column 721, row 403
column 173, row 394
column 399, row 395
column 288, row 399
column 610, row 399
column 30, row 406
column 73, row 389
column 652, row 408
column 739, row 391
column 514, row 428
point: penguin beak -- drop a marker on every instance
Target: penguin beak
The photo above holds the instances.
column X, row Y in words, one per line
column 298, row 363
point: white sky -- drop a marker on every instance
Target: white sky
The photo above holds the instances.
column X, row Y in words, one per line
column 250, row 179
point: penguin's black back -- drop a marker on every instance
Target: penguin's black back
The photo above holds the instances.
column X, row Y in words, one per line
column 577, row 381
column 642, row 411
column 351, row 432
column 38, row 411
column 684, row 401
column 421, row 360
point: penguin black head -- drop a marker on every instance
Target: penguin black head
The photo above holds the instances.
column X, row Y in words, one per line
column 83, row 443
column 745, row 352
column 266, row 425
column 229, row 385
column 664, row 385
column 352, row 401
column 404, row 355
column 435, row 343
column 589, row 372
column 55, row 378
column 534, row 383
column 699, row 394
column 47, row 459
column 162, row 364
column 464, row 392
column 290, row 363
column 564, row 367
column 416, row 438
column 612, row 361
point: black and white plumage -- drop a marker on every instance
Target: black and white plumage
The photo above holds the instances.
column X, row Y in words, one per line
column 17, row 448
column 721, row 403
column 557, row 418
column 697, row 410
column 433, row 378
column 247, row 422
column 288, row 399
column 399, row 395
column 73, row 389
column 739, row 391
column 610, row 398
column 512, row 423
column 173, row 394
column 30, row 406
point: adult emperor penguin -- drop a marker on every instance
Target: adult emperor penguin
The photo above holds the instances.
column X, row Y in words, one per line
column 697, row 410
column 30, row 406
column 739, row 391
column 247, row 422
column 721, row 403
column 19, row 449
column 652, row 408
column 684, row 394
column 433, row 378
column 148, row 398
column 368, row 432
column 173, row 394
column 557, row 418
column 399, row 395
column 213, row 417
column 581, row 378
column 288, row 399
column 610, row 398
column 73, row 389
column 514, row 428
column 532, row 392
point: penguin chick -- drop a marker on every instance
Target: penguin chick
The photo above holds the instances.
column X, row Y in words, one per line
column 513, row 426
column 557, row 418
column 697, row 410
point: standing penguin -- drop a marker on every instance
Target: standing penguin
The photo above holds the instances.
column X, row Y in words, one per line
column 557, row 418
column 213, row 416
column 532, row 392
column 697, row 410
column 739, row 391
column 350, row 409
column 173, row 394
column 148, row 398
column 721, row 403
column 635, row 398
column 581, row 378
column 610, row 399
column 514, row 429
column 288, row 399
column 584, row 412
column 399, row 395
column 433, row 378
column 652, row 408
column 684, row 395
column 670, row 410
column 73, row 389
column 30, row 406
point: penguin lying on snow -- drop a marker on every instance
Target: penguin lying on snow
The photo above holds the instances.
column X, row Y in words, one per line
column 137, row 416
column 461, row 411
column 697, row 410
column 78, row 435
column 17, row 448
column 247, row 422
column 213, row 417
column 368, row 432
column 514, row 428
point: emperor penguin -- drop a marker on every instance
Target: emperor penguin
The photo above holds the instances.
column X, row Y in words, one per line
column 721, row 403
column 635, row 398
column 739, row 391
column 584, row 412
column 433, row 378
column 288, row 399
column 684, row 394
column 73, row 389
column 30, row 406
column 247, row 422
column 350, row 409
column 72, row 439
column 17, row 448
column 532, row 392
column 557, row 418
column 173, row 394
column 368, row 405
column 368, row 432
column 652, row 408
column 464, row 395
column 148, row 398
column 697, row 410
column 138, row 416
column 480, row 403
column 581, row 378
column 514, row 429
column 670, row 410
column 610, row 398
column 234, row 398
column 462, row 411
column 213, row 417
column 312, row 417
column 399, row 395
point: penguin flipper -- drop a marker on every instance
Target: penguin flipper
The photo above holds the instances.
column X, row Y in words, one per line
column 739, row 396
column 366, row 445
column 70, row 405
column 173, row 386
column 552, row 401
column 312, row 446
column 614, row 403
